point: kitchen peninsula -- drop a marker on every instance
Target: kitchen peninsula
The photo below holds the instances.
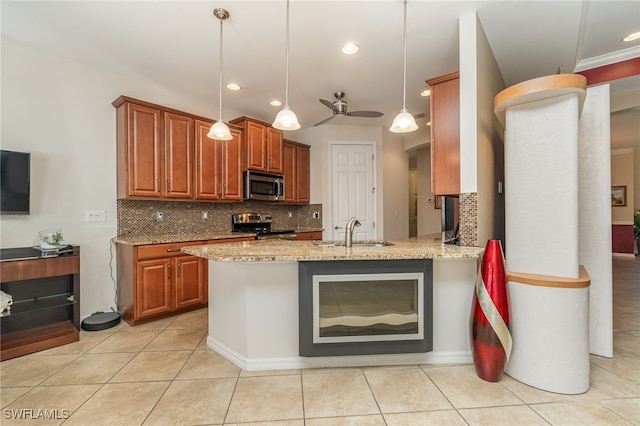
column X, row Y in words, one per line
column 254, row 313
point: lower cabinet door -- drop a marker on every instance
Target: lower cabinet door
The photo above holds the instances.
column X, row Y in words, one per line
column 189, row 279
column 153, row 290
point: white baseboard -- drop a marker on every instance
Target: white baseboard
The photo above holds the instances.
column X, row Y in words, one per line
column 290, row 363
column 629, row 255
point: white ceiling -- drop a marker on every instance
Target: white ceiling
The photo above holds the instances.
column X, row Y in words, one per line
column 174, row 44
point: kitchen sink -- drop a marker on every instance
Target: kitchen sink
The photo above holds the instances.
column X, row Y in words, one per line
column 362, row 243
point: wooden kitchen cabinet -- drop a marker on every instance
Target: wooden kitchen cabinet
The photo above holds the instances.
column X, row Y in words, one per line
column 309, row 236
column 218, row 165
column 155, row 151
column 178, row 155
column 296, row 172
column 262, row 145
column 445, row 134
column 139, row 150
column 157, row 280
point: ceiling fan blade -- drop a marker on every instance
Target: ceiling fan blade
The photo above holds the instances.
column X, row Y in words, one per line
column 324, row 121
column 418, row 115
column 370, row 114
column 328, row 104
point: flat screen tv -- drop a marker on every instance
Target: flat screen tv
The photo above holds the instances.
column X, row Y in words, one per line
column 15, row 171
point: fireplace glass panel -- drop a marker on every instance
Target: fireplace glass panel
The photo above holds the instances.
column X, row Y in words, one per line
column 368, row 307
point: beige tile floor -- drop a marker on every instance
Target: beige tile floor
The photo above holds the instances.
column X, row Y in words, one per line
column 163, row 373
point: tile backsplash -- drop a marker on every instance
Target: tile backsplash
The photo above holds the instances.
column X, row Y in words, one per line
column 137, row 218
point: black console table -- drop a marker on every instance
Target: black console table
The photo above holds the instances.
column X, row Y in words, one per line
column 45, row 287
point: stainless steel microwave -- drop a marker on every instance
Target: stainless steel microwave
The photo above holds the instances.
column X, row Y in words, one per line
column 263, row 186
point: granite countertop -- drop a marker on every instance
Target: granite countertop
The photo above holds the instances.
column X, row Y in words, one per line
column 274, row 250
column 179, row 238
column 184, row 238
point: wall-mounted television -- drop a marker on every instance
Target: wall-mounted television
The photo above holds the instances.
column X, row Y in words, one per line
column 15, row 177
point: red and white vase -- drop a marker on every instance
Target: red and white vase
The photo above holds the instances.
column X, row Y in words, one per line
column 490, row 337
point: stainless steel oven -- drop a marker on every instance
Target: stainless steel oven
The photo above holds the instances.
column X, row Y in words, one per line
column 263, row 186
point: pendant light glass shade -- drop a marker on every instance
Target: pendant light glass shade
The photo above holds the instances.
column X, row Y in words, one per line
column 219, row 130
column 404, row 122
column 286, row 119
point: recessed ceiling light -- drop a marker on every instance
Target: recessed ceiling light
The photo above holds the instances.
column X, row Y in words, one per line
column 275, row 103
column 425, row 92
column 350, row 48
column 632, row 36
column 233, row 86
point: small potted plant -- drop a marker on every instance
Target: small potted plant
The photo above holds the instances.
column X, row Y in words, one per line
column 51, row 238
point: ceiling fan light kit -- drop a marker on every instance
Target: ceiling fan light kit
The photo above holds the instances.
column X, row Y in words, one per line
column 404, row 122
column 286, row 118
column 219, row 130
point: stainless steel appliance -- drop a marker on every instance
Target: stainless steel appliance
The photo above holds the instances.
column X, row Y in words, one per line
column 260, row 223
column 263, row 186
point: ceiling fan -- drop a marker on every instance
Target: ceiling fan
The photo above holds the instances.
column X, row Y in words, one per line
column 339, row 106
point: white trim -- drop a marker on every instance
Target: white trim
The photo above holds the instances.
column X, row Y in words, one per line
column 294, row 363
column 629, row 255
column 622, row 222
column 621, row 151
column 608, row 59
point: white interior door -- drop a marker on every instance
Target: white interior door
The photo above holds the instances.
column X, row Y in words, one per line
column 353, row 191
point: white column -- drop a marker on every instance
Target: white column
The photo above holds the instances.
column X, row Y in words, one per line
column 548, row 291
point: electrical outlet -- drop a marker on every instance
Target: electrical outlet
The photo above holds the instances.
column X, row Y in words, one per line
column 205, row 215
column 315, row 215
column 290, row 215
column 95, row 216
column 159, row 216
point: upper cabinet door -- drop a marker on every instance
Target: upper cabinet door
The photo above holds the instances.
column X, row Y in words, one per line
column 208, row 169
column 255, row 146
column 290, row 180
column 139, row 148
column 303, row 174
column 231, row 170
column 274, row 151
column 178, row 155
column 445, row 134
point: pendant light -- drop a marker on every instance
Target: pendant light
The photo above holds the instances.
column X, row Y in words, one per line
column 219, row 130
column 286, row 119
column 404, row 122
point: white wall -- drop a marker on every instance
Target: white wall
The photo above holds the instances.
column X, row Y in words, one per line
column 481, row 149
column 429, row 221
column 395, row 169
column 61, row 113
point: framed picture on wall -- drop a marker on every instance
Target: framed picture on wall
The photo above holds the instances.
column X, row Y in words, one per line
column 618, row 196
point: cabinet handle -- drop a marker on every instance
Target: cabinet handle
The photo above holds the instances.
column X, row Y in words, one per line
column 168, row 270
column 158, row 184
column 172, row 250
column 179, row 269
column 168, row 185
column 217, row 188
column 224, row 189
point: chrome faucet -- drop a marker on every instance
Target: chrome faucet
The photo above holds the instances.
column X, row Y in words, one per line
column 348, row 235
